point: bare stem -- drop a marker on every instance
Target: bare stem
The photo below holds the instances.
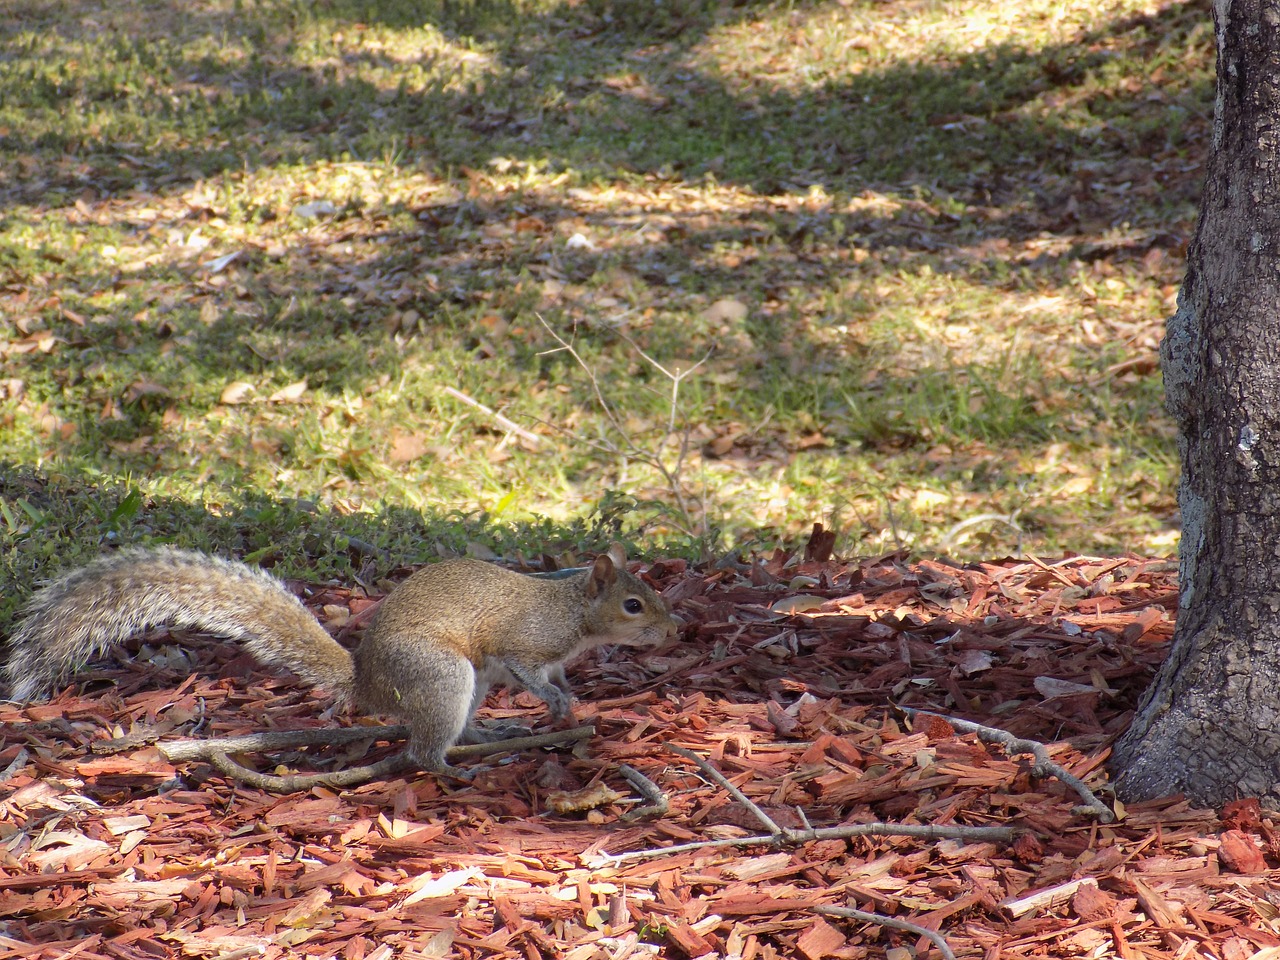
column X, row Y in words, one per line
column 1044, row 767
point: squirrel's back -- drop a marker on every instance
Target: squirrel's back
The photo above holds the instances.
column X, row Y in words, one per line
column 75, row 618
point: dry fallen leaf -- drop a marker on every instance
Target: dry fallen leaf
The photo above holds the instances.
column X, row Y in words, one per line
column 600, row 795
column 235, row 392
column 726, row 311
column 798, row 604
column 1053, row 687
column 289, row 394
column 407, row 447
column 144, row 388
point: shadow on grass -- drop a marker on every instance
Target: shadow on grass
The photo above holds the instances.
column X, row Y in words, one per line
column 595, row 87
column 605, row 92
column 55, row 522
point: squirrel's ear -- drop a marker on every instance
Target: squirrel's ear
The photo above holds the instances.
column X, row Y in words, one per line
column 618, row 554
column 603, row 574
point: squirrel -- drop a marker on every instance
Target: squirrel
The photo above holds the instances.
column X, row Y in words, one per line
column 434, row 646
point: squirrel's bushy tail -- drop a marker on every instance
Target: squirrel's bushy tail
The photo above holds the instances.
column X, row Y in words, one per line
column 78, row 616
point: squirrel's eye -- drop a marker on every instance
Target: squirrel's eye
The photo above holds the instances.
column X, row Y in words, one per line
column 632, row 606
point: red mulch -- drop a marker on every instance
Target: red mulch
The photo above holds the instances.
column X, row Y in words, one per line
column 128, row 856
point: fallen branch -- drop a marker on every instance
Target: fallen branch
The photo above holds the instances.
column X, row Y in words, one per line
column 178, row 751
column 217, row 755
column 779, row 835
column 1043, row 767
column 218, row 752
column 853, row 914
column 658, row 804
column 296, row 782
column 505, row 422
column 782, row 836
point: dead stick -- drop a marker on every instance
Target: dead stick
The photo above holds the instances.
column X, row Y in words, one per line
column 658, row 804
column 852, row 914
column 17, row 764
column 1044, row 767
column 511, row 425
column 294, row 783
column 179, row 751
column 721, row 779
column 789, row 836
column 217, row 755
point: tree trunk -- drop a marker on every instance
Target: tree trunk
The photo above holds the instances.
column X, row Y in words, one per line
column 1210, row 724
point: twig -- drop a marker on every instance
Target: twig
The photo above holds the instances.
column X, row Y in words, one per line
column 781, row 836
column 18, row 763
column 951, row 536
column 658, row 804
column 853, row 914
column 676, row 378
column 296, row 782
column 179, row 751
column 670, row 475
column 511, row 425
column 366, row 549
column 559, row 738
column 255, row 951
column 791, row 836
column 1043, row 767
column 182, row 751
column 721, row 779
column 595, row 384
column 893, row 524
column 138, row 737
column 216, row 754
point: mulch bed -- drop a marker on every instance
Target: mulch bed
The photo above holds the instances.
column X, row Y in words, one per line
column 785, row 681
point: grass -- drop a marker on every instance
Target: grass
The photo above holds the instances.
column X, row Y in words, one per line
column 246, row 244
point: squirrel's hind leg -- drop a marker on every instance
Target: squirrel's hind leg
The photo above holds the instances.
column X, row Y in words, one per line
column 437, row 707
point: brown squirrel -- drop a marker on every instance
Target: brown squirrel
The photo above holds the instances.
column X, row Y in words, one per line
column 434, row 646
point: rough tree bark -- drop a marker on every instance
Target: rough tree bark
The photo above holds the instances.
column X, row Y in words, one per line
column 1210, row 724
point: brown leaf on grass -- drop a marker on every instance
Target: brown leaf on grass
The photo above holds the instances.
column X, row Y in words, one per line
column 235, row 392
column 42, row 341
column 291, row 393
column 407, row 447
column 820, row 544
column 144, row 388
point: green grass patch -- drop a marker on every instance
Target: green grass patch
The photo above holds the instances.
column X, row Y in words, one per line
column 923, row 251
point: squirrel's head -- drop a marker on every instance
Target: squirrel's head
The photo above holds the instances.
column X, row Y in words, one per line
column 622, row 607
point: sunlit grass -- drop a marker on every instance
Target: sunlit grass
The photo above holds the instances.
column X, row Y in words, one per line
column 925, row 250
